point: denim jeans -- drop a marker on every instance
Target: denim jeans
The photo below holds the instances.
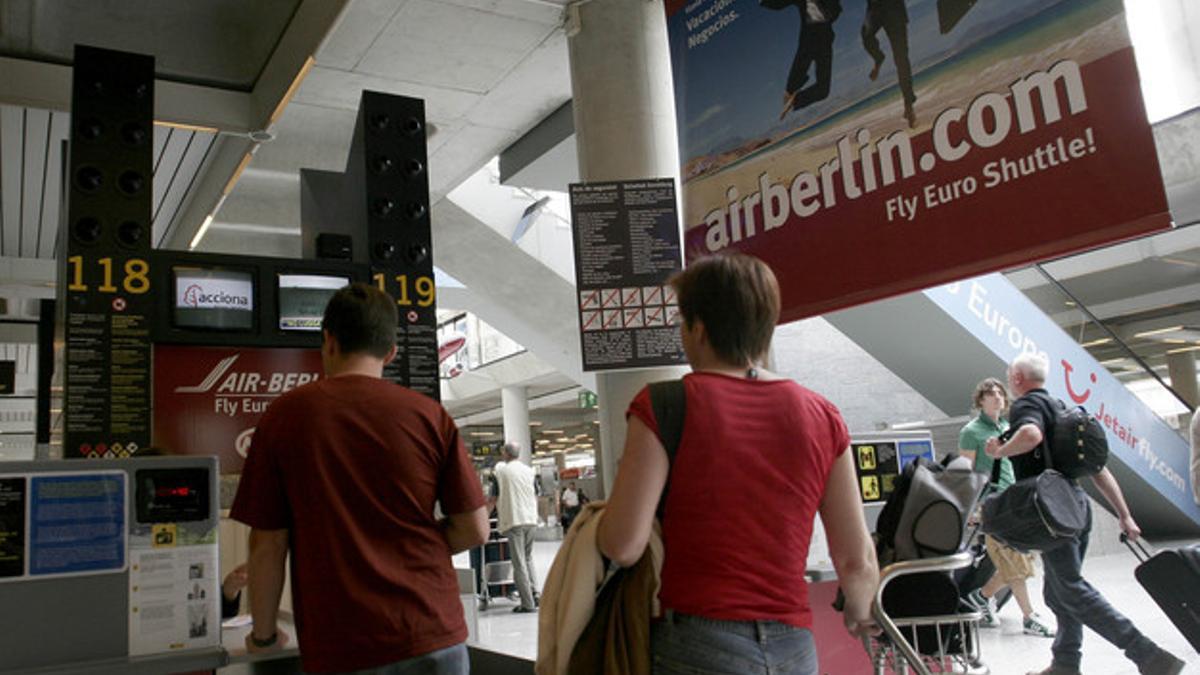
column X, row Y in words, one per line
column 1076, row 604
column 692, row 645
column 449, row 661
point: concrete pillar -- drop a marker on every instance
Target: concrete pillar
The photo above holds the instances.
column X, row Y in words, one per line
column 1181, row 368
column 514, row 405
column 624, row 130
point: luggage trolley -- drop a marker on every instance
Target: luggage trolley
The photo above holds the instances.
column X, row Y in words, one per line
column 926, row 644
column 494, row 572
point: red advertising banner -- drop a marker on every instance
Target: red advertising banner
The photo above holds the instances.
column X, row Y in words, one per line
column 895, row 146
column 207, row 400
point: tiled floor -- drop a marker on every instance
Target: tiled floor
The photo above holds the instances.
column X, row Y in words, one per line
column 1006, row 650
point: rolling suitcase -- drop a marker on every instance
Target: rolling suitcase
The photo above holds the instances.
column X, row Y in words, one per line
column 1172, row 578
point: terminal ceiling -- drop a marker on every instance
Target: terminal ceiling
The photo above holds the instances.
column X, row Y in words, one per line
column 489, row 70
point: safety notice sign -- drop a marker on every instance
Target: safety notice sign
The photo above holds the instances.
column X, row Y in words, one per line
column 626, row 247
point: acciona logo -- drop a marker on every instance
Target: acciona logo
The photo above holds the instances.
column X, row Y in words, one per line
column 198, row 296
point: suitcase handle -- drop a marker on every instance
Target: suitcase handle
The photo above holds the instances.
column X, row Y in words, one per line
column 1139, row 548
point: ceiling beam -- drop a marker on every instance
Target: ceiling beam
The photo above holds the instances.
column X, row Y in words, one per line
column 293, row 57
column 35, row 84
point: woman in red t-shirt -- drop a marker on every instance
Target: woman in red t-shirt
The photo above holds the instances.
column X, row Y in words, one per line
column 759, row 456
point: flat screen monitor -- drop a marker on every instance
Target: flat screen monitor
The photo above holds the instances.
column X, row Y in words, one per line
column 211, row 298
column 302, row 299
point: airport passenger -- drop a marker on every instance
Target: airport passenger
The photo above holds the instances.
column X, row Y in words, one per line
column 345, row 473
column 517, row 518
column 231, row 590
column 1074, row 601
column 1013, row 568
column 759, row 456
column 573, row 500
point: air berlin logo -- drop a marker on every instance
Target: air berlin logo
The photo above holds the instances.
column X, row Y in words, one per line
column 194, row 296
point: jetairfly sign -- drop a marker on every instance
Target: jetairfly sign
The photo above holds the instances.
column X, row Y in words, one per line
column 1008, row 323
column 894, row 147
column 208, row 400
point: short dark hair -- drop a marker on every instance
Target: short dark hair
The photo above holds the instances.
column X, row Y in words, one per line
column 363, row 320
column 736, row 296
column 985, row 385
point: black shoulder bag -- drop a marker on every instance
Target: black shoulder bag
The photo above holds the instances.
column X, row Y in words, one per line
column 1039, row 513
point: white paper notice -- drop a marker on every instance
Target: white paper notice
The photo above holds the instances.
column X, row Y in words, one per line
column 174, row 600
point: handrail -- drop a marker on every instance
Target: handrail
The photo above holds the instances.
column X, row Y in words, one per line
column 906, row 568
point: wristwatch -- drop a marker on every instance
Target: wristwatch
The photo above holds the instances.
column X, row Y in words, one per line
column 264, row 643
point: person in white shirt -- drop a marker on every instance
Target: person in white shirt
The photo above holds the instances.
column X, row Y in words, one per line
column 572, row 500
column 517, row 516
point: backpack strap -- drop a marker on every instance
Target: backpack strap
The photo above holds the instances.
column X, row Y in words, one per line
column 668, row 401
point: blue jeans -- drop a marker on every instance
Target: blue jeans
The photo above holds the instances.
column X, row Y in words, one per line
column 1076, row 604
column 692, row 645
column 449, row 661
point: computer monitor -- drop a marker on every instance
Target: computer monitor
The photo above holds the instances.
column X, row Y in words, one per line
column 213, row 298
column 302, row 299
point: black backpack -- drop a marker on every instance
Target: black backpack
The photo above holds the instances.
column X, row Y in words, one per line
column 1077, row 445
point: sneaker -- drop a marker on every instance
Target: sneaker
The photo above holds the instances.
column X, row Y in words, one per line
column 1162, row 663
column 1035, row 625
column 520, row 609
column 1056, row 669
column 977, row 603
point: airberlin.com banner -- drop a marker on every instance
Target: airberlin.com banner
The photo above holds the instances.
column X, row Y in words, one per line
column 870, row 147
column 208, row 400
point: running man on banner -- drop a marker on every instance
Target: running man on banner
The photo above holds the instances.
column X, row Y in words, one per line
column 892, row 17
column 814, row 50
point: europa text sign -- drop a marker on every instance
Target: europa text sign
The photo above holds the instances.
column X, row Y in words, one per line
column 863, row 153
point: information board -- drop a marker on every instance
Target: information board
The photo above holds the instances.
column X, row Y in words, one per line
column 878, row 463
column 626, row 247
column 77, row 523
column 12, row 527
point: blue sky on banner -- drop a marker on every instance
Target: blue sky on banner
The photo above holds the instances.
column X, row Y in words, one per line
column 730, row 88
column 1008, row 323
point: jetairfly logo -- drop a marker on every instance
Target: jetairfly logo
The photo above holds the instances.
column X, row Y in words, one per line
column 1121, row 431
column 196, row 295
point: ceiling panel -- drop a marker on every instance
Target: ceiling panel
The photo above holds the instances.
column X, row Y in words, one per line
column 485, row 46
column 31, row 147
column 334, row 88
column 356, row 32
column 221, row 43
column 51, row 200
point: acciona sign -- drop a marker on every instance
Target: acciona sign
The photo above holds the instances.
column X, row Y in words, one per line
column 216, row 294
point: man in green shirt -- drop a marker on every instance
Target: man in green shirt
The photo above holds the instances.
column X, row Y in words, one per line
column 1012, row 566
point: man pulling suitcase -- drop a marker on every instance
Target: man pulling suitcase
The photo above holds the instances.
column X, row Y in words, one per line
column 1073, row 600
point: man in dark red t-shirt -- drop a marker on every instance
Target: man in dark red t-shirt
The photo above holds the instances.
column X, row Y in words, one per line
column 345, row 472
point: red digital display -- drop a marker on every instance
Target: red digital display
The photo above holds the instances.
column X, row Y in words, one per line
column 182, row 491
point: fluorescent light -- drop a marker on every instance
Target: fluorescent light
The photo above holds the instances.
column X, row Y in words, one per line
column 186, row 127
column 1175, row 341
column 1157, row 331
column 535, row 424
column 552, row 431
column 1183, row 349
column 1113, row 362
column 201, row 232
column 911, row 425
column 237, row 173
column 291, row 90
column 1096, row 343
